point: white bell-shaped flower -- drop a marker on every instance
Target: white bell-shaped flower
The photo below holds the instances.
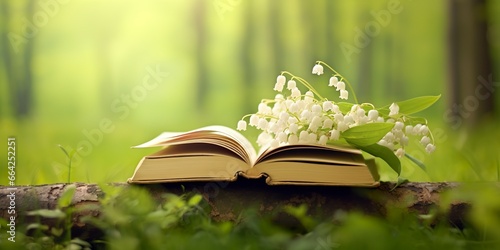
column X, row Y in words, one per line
column 263, row 108
column 303, row 136
column 295, row 93
column 293, row 139
column 327, row 123
column 254, row 120
column 316, row 109
column 262, row 124
column 336, row 109
column 333, row 81
column 278, row 87
column 394, row 109
column 327, row 106
column 416, row 129
column 399, row 125
column 282, row 137
column 281, row 79
column 309, row 97
column 242, row 125
column 344, row 94
column 425, row 140
column 340, row 86
column 430, row 148
column 409, row 130
column 317, row 69
column 293, row 128
column 424, row 130
column 342, row 126
column 400, row 152
column 334, row 134
column 373, row 115
column 323, row 140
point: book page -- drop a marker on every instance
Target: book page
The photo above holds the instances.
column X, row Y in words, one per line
column 317, row 153
column 218, row 135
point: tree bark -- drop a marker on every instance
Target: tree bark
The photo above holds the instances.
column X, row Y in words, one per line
column 469, row 64
column 228, row 200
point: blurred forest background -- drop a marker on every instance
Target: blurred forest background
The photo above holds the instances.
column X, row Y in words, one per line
column 103, row 76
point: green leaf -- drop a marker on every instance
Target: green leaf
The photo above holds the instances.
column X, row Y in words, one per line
column 193, row 201
column 344, row 106
column 64, row 150
column 416, row 120
column 80, row 242
column 57, row 231
column 47, row 213
column 367, row 134
column 416, row 161
column 413, row 105
column 38, row 226
column 385, row 154
column 66, row 196
column 300, row 212
column 401, row 181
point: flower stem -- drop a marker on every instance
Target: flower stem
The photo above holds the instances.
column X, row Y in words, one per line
column 342, row 79
column 305, row 83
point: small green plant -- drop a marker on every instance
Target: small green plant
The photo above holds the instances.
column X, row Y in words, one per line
column 132, row 219
column 69, row 156
column 58, row 235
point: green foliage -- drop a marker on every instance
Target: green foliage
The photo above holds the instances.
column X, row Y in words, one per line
column 413, row 105
column 59, row 235
column 366, row 134
column 69, row 156
column 132, row 219
column 385, row 154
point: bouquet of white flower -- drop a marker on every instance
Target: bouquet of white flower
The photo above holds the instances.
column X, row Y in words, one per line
column 311, row 118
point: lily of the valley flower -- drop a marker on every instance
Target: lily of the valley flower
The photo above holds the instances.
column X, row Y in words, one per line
column 280, row 82
column 242, row 125
column 344, row 94
column 317, row 69
column 292, row 117
column 394, row 109
column 333, row 81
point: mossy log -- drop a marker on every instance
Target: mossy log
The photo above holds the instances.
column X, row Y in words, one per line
column 228, row 200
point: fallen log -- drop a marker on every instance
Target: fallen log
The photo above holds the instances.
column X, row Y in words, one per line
column 228, row 200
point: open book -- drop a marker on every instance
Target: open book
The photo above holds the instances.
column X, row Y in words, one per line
column 218, row 153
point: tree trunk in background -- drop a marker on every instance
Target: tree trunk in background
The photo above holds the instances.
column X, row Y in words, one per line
column 470, row 70
column 201, row 68
column 18, row 62
column 366, row 79
column 25, row 93
column 5, row 51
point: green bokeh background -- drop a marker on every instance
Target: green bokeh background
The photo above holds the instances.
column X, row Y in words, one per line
column 217, row 60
